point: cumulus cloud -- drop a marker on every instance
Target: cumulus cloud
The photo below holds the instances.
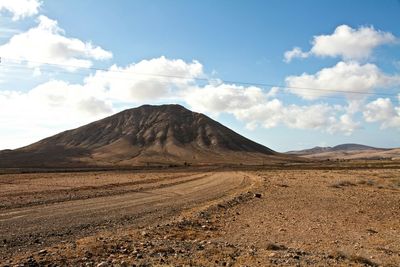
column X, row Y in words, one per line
column 53, row 100
column 273, row 92
column 20, row 8
column 256, row 108
column 47, row 43
column 147, row 80
column 223, row 97
column 321, row 117
column 296, row 52
column 46, row 110
column 346, row 77
column 345, row 42
column 382, row 110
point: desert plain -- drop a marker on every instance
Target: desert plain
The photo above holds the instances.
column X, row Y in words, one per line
column 335, row 214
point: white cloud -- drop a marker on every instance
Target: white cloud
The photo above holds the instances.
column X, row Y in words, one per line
column 346, row 77
column 345, row 42
column 53, row 100
column 273, row 92
column 7, row 32
column 320, row 117
column 345, row 124
column 382, row 110
column 296, row 52
column 254, row 107
column 147, row 80
column 47, row 109
column 223, row 97
column 20, row 8
column 354, row 105
column 47, row 43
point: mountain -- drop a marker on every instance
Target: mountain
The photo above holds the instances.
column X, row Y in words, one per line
column 147, row 135
column 353, row 147
column 348, row 151
column 342, row 147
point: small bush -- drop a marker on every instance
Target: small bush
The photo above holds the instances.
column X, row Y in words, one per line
column 340, row 255
column 272, row 246
column 342, row 184
column 362, row 260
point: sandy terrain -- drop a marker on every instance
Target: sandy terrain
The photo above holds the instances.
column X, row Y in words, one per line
column 241, row 218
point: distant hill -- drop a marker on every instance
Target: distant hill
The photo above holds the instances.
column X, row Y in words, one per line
column 313, row 150
column 348, row 151
column 147, row 135
column 342, row 147
column 354, row 147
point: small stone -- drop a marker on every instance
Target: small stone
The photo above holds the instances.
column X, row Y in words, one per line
column 144, row 233
column 43, row 251
column 102, row 264
column 258, row 195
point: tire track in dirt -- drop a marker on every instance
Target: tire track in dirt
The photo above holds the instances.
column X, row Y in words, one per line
column 86, row 192
column 36, row 226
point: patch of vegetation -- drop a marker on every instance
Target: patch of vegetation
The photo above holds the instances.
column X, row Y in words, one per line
column 340, row 255
column 366, row 182
column 362, row 260
column 273, row 246
column 341, row 184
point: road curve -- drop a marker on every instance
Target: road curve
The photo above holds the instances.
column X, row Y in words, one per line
column 40, row 225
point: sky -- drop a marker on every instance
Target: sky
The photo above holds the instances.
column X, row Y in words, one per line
column 287, row 74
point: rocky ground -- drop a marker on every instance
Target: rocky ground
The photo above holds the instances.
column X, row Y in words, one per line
column 288, row 218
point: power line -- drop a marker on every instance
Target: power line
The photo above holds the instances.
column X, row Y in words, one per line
column 280, row 92
column 188, row 78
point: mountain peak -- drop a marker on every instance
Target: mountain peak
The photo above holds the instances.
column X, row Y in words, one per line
column 147, row 134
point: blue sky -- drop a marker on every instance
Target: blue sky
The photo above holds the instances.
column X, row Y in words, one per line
column 342, row 47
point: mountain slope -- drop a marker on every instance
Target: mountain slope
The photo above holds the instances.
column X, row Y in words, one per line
column 141, row 136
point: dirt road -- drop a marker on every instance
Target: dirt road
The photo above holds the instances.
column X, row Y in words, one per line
column 232, row 218
column 40, row 209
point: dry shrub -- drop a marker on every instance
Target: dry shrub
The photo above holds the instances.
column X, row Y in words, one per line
column 366, row 182
column 342, row 184
column 362, row 260
column 354, row 258
column 273, row 246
